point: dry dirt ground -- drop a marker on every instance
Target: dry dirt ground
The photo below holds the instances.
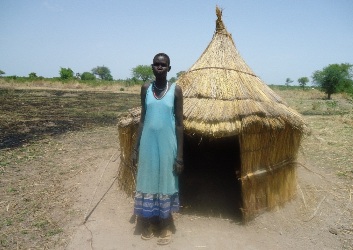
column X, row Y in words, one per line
column 81, row 206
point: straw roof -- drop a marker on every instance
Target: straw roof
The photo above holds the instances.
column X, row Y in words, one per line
column 223, row 96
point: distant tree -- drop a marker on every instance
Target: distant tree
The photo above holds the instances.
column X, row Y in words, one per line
column 303, row 81
column 143, row 72
column 109, row 77
column 179, row 74
column 103, row 73
column 334, row 78
column 32, row 75
column 87, row 76
column 1, row 73
column 66, row 73
column 288, row 81
column 173, row 79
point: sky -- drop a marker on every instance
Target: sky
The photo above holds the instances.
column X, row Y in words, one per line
column 278, row 39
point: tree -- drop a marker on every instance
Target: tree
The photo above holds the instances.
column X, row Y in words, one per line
column 288, row 81
column 172, row 80
column 179, row 74
column 66, row 74
column 102, row 72
column 109, row 77
column 87, row 76
column 32, row 75
column 1, row 73
column 334, row 78
column 143, row 72
column 303, row 81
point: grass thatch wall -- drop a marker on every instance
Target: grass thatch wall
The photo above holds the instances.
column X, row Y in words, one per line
column 127, row 127
column 268, row 170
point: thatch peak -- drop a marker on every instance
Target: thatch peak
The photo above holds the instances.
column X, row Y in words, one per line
column 223, row 96
column 220, row 28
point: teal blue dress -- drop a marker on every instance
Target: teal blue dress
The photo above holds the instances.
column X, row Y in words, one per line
column 156, row 184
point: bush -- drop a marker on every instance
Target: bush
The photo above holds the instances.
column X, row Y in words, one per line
column 87, row 76
column 32, row 75
column 132, row 81
column 66, row 74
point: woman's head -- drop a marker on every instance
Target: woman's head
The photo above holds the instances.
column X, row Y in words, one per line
column 161, row 65
column 163, row 55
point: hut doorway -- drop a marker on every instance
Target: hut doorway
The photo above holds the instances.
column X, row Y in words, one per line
column 209, row 185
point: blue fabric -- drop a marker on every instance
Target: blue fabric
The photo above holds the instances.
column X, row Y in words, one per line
column 157, row 151
column 151, row 205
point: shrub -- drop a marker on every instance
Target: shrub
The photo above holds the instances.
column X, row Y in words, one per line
column 66, row 74
column 87, row 76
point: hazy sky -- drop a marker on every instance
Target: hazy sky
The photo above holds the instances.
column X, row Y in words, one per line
column 277, row 38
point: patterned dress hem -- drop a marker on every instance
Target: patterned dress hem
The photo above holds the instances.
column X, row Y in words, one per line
column 156, row 205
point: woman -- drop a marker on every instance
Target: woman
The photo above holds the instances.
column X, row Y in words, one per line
column 159, row 150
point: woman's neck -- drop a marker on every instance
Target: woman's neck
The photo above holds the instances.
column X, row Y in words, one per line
column 161, row 82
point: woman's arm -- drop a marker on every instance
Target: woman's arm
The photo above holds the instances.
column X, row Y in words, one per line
column 179, row 127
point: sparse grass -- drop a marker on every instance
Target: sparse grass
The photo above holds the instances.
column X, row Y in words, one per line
column 31, row 161
column 314, row 102
column 113, row 86
column 331, row 126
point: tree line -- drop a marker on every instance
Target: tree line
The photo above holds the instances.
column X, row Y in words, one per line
column 332, row 79
column 140, row 74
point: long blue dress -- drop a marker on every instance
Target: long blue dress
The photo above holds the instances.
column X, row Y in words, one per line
column 157, row 185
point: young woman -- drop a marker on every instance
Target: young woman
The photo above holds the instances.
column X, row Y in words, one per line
column 159, row 152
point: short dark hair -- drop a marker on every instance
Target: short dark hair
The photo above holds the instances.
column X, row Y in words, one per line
column 164, row 55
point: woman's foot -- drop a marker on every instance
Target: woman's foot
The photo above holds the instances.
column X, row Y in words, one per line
column 148, row 232
column 165, row 237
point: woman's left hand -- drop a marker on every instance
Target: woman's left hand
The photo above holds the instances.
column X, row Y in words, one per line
column 178, row 166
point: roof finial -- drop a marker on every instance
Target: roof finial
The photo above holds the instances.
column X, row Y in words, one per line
column 219, row 23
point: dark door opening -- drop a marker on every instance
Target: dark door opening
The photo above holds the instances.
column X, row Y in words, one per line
column 209, row 185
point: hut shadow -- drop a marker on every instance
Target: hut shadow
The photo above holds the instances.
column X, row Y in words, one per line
column 209, row 185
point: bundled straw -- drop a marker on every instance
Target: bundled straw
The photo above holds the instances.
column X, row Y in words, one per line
column 127, row 127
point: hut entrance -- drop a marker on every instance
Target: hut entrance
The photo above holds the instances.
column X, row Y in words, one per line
column 209, row 185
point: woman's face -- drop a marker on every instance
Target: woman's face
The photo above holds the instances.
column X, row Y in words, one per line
column 160, row 67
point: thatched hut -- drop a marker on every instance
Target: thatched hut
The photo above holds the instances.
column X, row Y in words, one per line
column 224, row 101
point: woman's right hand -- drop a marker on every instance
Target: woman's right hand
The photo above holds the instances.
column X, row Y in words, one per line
column 178, row 167
column 134, row 157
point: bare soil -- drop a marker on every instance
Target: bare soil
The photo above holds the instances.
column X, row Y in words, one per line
column 59, row 160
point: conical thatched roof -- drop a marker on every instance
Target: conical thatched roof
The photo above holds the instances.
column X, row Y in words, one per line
column 222, row 95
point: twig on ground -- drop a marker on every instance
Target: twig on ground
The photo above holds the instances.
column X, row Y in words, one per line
column 87, row 215
column 91, row 239
column 301, row 191
column 346, row 207
column 317, row 208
